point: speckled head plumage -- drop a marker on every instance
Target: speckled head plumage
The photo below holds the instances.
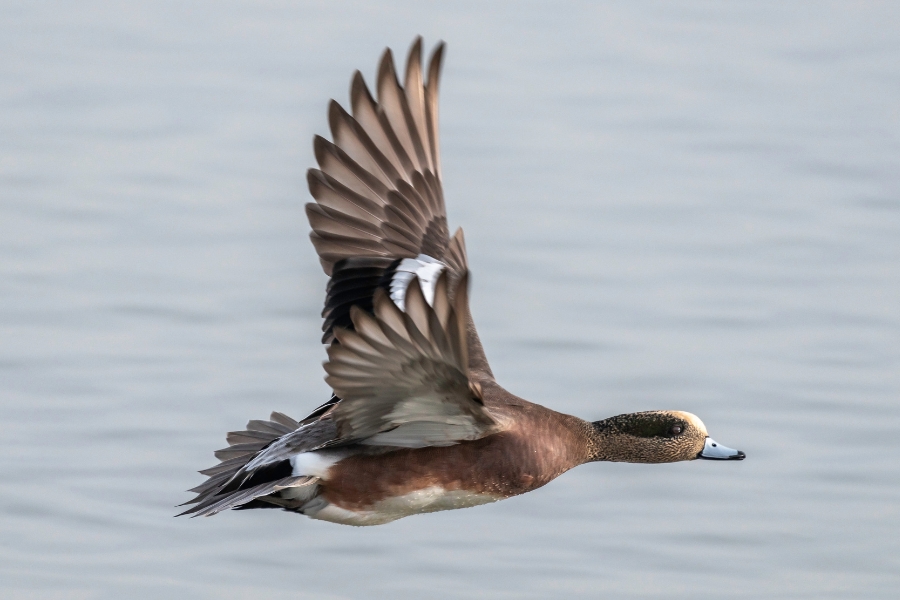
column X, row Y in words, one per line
column 656, row 436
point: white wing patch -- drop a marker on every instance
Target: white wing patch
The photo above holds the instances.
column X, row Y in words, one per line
column 424, row 267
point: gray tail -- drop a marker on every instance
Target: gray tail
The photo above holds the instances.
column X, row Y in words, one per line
column 224, row 490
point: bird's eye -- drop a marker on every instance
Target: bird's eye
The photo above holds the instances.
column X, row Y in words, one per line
column 676, row 430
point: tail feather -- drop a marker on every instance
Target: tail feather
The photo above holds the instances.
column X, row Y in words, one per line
column 225, row 465
column 209, row 484
column 216, row 504
column 283, row 419
column 243, row 446
column 270, row 427
column 238, row 450
column 234, row 482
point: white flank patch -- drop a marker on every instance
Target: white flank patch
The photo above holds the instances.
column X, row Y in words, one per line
column 430, row 499
column 314, row 464
column 425, row 268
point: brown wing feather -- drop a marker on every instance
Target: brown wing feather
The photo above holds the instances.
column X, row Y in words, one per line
column 403, row 376
column 378, row 186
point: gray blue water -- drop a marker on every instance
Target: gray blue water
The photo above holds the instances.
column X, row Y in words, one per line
column 684, row 205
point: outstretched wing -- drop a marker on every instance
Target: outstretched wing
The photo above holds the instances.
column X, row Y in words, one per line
column 403, row 375
column 379, row 218
column 378, row 186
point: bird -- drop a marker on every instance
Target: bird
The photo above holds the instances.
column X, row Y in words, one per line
column 417, row 422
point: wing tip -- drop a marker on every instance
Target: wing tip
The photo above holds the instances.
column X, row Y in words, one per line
column 435, row 63
column 386, row 70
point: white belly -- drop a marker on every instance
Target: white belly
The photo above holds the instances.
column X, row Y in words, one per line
column 431, row 499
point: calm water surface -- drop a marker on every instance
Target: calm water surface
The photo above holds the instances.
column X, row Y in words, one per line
column 681, row 205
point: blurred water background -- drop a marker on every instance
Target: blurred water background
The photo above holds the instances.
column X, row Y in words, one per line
column 685, row 205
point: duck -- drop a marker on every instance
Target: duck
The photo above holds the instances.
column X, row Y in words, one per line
column 416, row 422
